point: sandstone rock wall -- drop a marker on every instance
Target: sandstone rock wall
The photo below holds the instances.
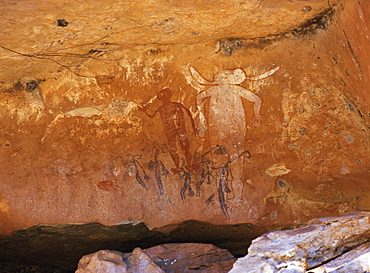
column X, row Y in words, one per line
column 332, row 244
column 277, row 96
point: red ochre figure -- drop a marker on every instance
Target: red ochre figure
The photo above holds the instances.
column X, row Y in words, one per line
column 174, row 126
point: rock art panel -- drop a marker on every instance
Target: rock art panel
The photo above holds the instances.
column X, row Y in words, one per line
column 106, row 127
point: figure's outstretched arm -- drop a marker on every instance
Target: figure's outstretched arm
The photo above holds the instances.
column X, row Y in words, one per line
column 202, row 118
column 257, row 108
column 197, row 77
column 191, row 117
column 249, row 95
column 144, row 109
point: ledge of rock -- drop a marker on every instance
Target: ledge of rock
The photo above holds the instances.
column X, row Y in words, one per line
column 60, row 246
column 333, row 243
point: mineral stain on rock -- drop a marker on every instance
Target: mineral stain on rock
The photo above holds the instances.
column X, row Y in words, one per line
column 277, row 170
column 228, row 46
column 4, row 206
column 61, row 23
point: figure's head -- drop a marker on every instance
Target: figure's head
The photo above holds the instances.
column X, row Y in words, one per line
column 165, row 93
column 235, row 76
column 222, row 77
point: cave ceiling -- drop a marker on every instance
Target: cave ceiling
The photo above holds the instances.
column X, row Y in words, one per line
column 44, row 36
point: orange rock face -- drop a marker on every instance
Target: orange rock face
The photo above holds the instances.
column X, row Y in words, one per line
column 246, row 112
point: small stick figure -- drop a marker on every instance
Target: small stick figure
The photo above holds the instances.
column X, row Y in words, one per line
column 174, row 126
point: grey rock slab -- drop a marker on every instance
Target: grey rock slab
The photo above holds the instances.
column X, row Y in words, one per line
column 355, row 261
column 307, row 247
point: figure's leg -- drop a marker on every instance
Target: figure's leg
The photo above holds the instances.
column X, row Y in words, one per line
column 188, row 155
column 185, row 146
column 175, row 156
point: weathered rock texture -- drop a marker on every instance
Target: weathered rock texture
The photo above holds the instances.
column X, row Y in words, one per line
column 267, row 121
column 356, row 260
column 311, row 247
column 170, row 258
column 141, row 262
column 60, row 246
column 103, row 261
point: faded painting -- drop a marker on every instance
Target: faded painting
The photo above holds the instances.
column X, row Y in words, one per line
column 225, row 121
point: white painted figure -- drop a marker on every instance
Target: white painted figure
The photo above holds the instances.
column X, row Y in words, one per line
column 226, row 120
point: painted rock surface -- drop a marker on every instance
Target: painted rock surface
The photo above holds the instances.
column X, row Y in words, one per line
column 165, row 111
